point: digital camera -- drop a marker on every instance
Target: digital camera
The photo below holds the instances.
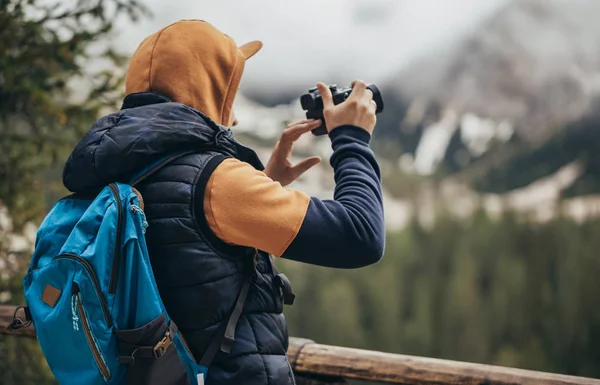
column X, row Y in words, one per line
column 312, row 103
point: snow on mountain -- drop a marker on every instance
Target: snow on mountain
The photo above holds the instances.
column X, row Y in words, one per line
column 536, row 63
column 527, row 71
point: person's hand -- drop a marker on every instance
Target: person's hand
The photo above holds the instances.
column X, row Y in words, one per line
column 280, row 168
column 358, row 110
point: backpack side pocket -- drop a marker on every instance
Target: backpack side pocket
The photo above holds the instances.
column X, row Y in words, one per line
column 151, row 355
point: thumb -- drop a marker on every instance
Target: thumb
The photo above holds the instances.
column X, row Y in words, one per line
column 325, row 95
column 306, row 164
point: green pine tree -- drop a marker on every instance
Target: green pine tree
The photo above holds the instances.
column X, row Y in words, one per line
column 57, row 72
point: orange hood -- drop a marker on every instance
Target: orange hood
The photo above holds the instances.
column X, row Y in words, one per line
column 192, row 63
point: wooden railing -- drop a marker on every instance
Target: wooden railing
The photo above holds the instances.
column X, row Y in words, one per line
column 316, row 364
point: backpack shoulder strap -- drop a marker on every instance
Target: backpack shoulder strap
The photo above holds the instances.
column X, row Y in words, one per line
column 156, row 166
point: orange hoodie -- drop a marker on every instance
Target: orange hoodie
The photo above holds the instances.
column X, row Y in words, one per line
column 192, row 63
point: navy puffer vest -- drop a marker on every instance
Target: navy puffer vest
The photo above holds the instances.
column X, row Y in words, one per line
column 199, row 276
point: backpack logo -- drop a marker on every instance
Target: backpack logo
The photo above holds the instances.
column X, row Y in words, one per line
column 50, row 295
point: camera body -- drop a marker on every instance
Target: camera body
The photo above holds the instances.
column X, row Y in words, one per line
column 312, row 103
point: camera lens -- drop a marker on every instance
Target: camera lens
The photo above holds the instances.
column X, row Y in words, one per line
column 377, row 97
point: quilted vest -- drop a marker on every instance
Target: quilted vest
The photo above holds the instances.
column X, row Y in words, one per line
column 199, row 277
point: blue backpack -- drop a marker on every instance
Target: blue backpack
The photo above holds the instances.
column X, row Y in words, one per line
column 93, row 300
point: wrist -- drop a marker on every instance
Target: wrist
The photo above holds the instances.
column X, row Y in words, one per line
column 358, row 133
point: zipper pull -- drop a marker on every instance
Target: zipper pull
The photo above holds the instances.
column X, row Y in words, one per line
column 74, row 299
column 136, row 209
column 74, row 312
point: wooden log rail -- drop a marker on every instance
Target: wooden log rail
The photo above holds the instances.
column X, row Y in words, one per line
column 322, row 364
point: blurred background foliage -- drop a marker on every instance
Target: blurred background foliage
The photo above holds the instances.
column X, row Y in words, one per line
column 504, row 292
column 46, row 48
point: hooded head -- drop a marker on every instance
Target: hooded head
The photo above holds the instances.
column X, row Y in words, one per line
column 192, row 63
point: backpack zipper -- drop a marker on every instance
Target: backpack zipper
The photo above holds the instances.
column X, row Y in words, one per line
column 114, row 271
column 87, row 331
column 95, row 282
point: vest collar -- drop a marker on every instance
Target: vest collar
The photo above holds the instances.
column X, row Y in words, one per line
column 140, row 99
column 223, row 137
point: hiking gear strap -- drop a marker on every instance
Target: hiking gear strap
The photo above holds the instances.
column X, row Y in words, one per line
column 156, row 166
column 17, row 323
column 156, row 351
column 283, row 283
column 225, row 335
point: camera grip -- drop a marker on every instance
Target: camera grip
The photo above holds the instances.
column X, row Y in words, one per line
column 313, row 105
column 317, row 114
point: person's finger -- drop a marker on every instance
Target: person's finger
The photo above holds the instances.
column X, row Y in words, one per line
column 373, row 106
column 368, row 95
column 294, row 126
column 300, row 128
column 358, row 89
column 299, row 122
column 305, row 165
column 281, row 152
column 325, row 95
column 292, row 133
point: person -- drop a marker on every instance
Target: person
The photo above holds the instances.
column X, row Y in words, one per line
column 216, row 206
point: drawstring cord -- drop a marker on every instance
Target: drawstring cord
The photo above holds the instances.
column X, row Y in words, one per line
column 138, row 210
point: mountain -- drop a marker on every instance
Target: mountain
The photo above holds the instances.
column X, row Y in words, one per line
column 507, row 117
column 513, row 86
column 535, row 63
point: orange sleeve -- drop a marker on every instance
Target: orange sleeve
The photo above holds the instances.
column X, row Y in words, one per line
column 244, row 207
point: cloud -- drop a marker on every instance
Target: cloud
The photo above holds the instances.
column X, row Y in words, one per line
column 311, row 40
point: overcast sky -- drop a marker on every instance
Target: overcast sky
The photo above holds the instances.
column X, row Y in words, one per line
column 306, row 41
